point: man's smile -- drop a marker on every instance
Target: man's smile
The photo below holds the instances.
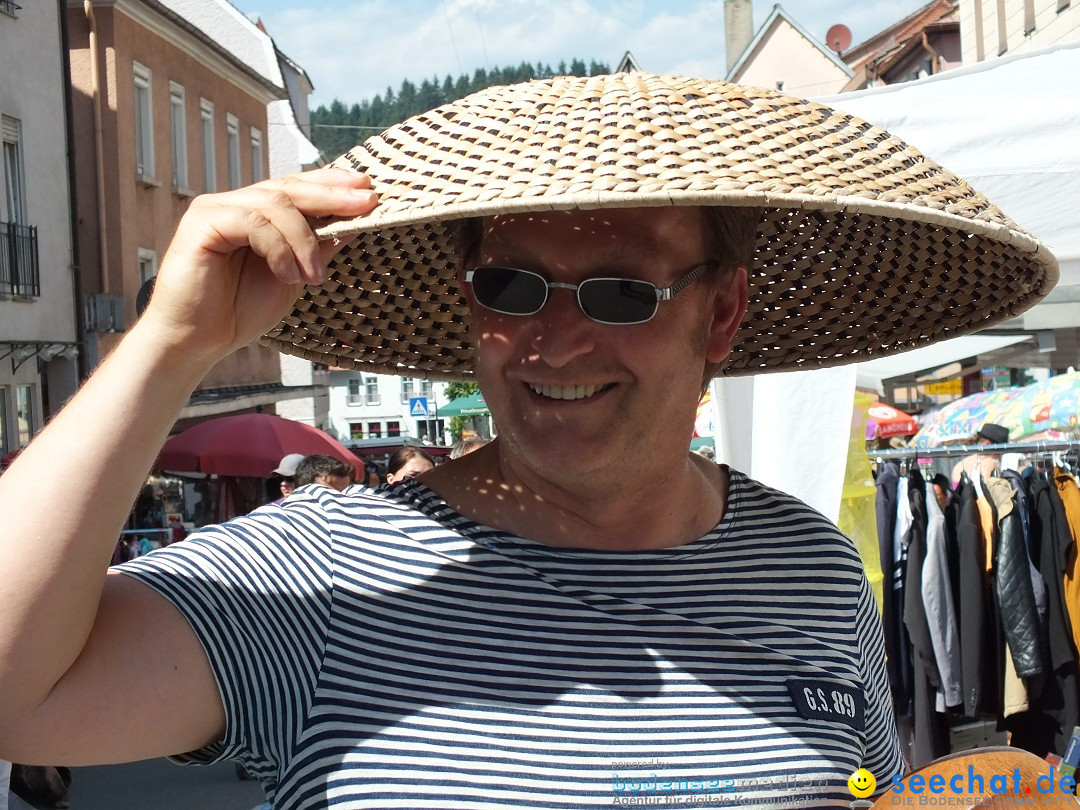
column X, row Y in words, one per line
column 568, row 391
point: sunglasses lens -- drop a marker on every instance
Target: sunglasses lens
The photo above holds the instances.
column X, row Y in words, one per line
column 618, row 300
column 508, row 290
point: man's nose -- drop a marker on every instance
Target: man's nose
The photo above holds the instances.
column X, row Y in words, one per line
column 561, row 332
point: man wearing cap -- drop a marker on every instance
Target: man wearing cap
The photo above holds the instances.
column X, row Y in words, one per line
column 982, row 465
column 582, row 612
column 286, row 470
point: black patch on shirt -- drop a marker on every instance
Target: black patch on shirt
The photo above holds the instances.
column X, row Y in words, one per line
column 833, row 701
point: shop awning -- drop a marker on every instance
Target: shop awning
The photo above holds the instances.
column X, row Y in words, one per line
column 870, row 375
column 472, row 405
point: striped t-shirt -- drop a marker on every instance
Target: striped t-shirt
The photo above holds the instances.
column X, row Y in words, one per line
column 382, row 650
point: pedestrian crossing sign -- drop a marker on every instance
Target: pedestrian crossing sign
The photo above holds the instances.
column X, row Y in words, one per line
column 418, row 407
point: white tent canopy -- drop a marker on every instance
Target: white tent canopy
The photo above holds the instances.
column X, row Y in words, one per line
column 1011, row 128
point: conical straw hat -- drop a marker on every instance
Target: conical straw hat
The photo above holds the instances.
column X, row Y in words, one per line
column 867, row 247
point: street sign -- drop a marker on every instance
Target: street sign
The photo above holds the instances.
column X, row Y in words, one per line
column 945, row 387
column 418, row 407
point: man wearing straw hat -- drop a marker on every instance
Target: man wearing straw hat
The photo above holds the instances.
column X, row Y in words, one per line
column 582, row 612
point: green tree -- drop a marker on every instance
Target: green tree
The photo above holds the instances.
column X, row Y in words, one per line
column 336, row 129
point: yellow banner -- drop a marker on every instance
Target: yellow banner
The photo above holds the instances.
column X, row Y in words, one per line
column 955, row 387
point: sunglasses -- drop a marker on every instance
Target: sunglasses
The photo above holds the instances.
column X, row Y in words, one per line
column 614, row 301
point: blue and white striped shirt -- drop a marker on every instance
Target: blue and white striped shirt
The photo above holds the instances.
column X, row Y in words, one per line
column 383, row 651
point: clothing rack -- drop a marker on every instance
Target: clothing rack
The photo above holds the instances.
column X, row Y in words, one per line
column 955, row 450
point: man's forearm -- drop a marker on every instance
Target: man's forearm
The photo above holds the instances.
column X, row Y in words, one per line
column 64, row 501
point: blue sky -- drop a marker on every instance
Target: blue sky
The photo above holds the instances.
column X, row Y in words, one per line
column 353, row 49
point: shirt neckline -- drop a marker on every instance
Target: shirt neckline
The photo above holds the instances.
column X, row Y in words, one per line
column 417, row 495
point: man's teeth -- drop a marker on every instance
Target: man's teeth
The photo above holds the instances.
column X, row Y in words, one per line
column 566, row 391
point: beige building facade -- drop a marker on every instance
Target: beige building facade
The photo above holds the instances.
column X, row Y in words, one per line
column 783, row 56
column 164, row 110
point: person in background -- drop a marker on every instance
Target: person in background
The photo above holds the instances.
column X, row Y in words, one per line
column 466, row 446
column 323, row 469
column 706, row 452
column 406, row 463
column 286, row 471
column 982, row 465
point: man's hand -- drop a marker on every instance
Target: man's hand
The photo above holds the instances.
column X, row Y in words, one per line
column 238, row 260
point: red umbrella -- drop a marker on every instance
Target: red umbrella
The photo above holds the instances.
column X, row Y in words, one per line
column 885, row 421
column 248, row 444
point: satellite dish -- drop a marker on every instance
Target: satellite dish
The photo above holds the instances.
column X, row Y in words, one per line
column 838, row 37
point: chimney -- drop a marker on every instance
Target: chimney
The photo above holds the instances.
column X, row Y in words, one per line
column 738, row 29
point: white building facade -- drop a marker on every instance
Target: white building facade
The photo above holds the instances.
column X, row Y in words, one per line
column 381, row 406
column 38, row 321
column 992, row 29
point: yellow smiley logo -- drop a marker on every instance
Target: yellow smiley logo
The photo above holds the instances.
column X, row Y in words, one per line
column 861, row 783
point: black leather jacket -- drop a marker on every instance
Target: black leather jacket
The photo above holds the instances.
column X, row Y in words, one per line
column 1012, row 584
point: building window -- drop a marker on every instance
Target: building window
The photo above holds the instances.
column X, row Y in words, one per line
column 1029, row 17
column 356, row 430
column 354, row 397
column 147, row 265
column 1062, row 5
column 10, row 7
column 434, row 430
column 1003, row 35
column 19, row 271
column 371, row 390
column 206, row 113
column 427, row 389
column 256, row 156
column 406, row 390
column 393, row 429
column 144, row 123
column 374, row 430
column 232, row 146
column 14, row 191
column 178, row 107
column 24, row 413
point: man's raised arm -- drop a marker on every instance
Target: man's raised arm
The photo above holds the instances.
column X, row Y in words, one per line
column 93, row 671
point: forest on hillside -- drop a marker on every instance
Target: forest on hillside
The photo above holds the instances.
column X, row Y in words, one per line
column 337, row 128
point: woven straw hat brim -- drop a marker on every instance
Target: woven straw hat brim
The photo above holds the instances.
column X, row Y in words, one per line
column 866, row 247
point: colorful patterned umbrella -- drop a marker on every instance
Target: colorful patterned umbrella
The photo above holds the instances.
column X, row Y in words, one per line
column 1044, row 409
column 961, row 419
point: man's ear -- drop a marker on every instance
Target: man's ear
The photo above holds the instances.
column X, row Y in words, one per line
column 728, row 307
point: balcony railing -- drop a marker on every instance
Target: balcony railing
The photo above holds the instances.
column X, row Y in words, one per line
column 19, row 276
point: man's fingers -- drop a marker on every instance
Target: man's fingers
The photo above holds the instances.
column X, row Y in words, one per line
column 280, row 254
column 271, row 223
column 326, row 192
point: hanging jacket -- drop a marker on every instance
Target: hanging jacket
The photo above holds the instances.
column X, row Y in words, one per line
column 915, row 619
column 1022, row 499
column 972, row 608
column 1070, row 498
column 1012, row 584
column 1058, row 701
column 892, row 589
column 938, row 604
